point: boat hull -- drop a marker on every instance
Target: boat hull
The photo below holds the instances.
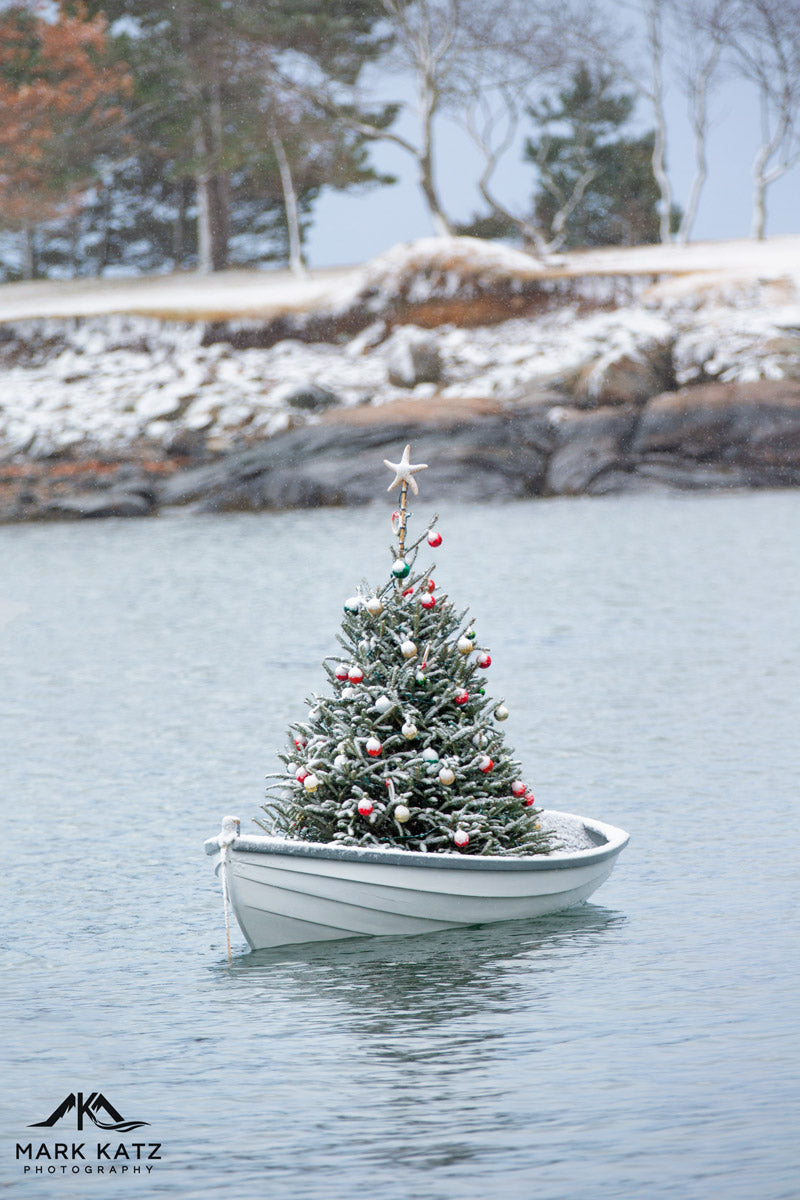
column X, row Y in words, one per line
column 284, row 892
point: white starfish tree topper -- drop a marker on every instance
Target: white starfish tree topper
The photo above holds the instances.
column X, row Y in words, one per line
column 404, row 472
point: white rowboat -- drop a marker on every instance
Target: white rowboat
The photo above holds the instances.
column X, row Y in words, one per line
column 284, row 891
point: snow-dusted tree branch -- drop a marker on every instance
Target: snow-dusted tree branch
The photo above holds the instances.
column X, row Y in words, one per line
column 767, row 53
column 705, row 28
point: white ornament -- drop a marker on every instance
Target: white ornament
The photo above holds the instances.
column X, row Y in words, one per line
column 311, row 783
column 409, row 731
column 401, row 814
column 430, row 755
column 340, row 762
column 408, row 649
column 464, row 645
column 353, row 604
column 461, row 837
column 349, row 693
column 446, row 776
column 404, row 472
column 374, row 606
column 383, row 704
column 500, row 713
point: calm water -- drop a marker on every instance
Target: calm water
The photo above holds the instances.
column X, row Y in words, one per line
column 643, row 1046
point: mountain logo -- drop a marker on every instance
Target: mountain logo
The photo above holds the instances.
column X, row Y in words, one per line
column 89, row 1107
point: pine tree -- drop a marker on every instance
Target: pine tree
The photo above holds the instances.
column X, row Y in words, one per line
column 407, row 751
column 595, row 184
column 223, row 98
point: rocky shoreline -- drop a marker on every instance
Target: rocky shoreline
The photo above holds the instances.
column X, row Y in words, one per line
column 516, row 386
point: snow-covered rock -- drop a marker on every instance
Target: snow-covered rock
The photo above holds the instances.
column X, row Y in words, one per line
column 443, row 326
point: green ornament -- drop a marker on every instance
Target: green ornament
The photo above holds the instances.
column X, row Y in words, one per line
column 470, row 634
column 401, row 568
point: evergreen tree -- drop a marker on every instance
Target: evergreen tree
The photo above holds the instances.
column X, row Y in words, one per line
column 408, row 750
column 223, row 95
column 596, row 186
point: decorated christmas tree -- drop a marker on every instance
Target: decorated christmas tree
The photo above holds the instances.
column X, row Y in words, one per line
column 408, row 751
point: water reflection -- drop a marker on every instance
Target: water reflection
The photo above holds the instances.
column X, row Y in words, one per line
column 424, row 981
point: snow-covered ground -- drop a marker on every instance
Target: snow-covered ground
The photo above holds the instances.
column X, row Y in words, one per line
column 94, row 366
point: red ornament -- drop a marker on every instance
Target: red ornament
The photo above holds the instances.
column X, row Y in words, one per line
column 431, row 585
column 365, row 807
column 341, row 672
column 408, row 592
column 518, row 788
column 373, row 747
column 461, row 696
column 355, row 674
column 529, row 800
column 434, row 538
column 486, row 764
column 461, row 837
column 428, row 601
column 301, row 774
column 301, row 742
column 484, row 660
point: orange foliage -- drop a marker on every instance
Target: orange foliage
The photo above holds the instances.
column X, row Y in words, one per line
column 59, row 98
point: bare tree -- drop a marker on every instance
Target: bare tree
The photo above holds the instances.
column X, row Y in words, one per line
column 641, row 62
column 476, row 61
column 767, row 52
column 529, row 47
column 703, row 29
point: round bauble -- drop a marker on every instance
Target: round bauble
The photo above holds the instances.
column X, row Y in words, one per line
column 484, row 660
column 341, row 672
column 401, row 569
column 355, row 674
column 352, row 605
column 420, row 678
column 408, row 649
column 430, row 755
column 470, row 634
column 447, row 776
column 464, row 645
column 428, row 601
column 365, row 807
column 374, row 606
column 431, row 585
column 401, row 814
column 301, row 774
column 501, row 713
column 408, row 592
column 383, row 704
column 461, row 838
column 530, row 800
column 461, row 696
column 349, row 693
column 311, row 783
column 373, row 747
column 486, row 764
column 434, row 538
column 409, row 731
column 517, row 788
column 301, row 742
column 340, row 762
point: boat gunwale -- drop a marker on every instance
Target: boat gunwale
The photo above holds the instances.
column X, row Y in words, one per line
column 614, row 840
